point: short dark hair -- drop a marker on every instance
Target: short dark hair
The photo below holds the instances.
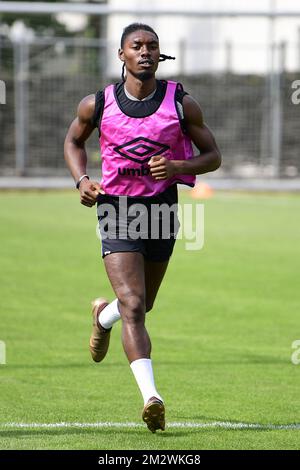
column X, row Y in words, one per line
column 131, row 28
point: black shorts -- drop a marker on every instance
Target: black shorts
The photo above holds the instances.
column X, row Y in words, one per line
column 146, row 225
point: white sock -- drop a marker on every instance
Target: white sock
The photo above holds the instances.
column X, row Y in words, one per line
column 143, row 373
column 109, row 315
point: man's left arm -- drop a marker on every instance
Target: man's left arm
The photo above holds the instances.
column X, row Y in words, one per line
column 209, row 158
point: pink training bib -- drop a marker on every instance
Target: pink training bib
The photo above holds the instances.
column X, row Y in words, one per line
column 127, row 144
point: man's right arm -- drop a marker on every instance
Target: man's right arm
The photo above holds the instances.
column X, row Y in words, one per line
column 75, row 153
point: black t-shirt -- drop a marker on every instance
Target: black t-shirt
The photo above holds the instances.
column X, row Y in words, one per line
column 138, row 109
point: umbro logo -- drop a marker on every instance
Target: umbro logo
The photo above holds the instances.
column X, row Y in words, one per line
column 141, row 149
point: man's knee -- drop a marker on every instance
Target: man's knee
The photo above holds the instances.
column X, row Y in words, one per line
column 132, row 308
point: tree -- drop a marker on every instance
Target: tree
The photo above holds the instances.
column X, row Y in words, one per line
column 42, row 24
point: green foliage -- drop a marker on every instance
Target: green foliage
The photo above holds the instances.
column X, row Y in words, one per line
column 47, row 25
column 40, row 23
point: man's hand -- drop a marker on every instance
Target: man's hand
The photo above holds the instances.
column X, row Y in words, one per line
column 161, row 168
column 89, row 191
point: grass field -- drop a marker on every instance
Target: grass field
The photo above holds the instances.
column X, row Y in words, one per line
column 221, row 330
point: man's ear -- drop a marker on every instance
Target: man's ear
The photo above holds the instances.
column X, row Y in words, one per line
column 121, row 54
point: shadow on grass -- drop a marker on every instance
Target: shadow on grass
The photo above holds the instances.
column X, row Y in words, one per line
column 242, row 359
column 141, row 432
column 210, row 420
column 66, row 365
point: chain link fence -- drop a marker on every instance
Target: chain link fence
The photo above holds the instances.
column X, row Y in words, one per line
column 252, row 116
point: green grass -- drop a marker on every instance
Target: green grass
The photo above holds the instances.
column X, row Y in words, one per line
column 221, row 329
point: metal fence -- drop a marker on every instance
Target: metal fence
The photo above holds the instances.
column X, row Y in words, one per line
column 252, row 116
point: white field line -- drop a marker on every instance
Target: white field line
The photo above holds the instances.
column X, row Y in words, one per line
column 189, row 424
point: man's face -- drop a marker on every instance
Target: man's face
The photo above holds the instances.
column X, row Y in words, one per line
column 141, row 54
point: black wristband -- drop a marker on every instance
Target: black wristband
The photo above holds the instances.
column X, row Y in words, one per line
column 80, row 179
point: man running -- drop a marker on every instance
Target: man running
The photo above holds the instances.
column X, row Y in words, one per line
column 146, row 129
